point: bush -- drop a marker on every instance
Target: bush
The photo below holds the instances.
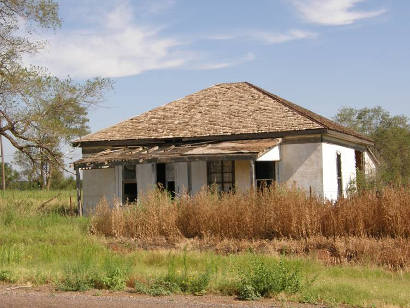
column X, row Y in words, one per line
column 7, row 276
column 177, row 282
column 114, row 279
column 263, row 280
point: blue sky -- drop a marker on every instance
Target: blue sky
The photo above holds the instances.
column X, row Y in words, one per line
column 320, row 54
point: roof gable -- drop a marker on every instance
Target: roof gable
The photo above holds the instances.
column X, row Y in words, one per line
column 221, row 110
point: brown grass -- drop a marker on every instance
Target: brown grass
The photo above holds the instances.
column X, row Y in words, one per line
column 371, row 225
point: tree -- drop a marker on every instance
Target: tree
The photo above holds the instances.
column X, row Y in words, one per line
column 391, row 135
column 11, row 175
column 40, row 112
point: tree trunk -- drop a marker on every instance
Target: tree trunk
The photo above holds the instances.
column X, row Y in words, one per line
column 50, row 170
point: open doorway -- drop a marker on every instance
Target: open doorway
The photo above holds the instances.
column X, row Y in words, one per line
column 166, row 178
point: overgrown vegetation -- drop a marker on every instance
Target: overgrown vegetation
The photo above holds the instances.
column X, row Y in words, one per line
column 273, row 213
column 370, row 226
column 46, row 246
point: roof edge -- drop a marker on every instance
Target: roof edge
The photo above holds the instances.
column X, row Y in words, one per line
column 247, row 136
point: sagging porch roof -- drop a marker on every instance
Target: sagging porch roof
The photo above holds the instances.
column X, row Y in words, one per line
column 237, row 149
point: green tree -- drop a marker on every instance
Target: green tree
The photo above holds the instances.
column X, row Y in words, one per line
column 391, row 135
column 39, row 112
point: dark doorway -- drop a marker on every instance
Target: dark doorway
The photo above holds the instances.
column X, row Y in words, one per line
column 161, row 178
column 339, row 175
column 171, row 188
column 264, row 173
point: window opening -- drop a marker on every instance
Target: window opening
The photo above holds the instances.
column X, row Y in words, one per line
column 359, row 160
column 264, row 173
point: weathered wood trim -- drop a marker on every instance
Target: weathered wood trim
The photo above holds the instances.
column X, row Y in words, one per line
column 349, row 138
column 171, row 159
column 182, row 140
column 332, row 140
column 252, row 174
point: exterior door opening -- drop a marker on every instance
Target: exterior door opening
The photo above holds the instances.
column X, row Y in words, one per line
column 166, row 178
column 161, row 179
column 264, row 173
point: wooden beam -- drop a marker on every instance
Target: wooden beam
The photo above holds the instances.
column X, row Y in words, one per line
column 252, row 175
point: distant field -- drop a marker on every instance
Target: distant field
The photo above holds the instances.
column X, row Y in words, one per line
column 44, row 244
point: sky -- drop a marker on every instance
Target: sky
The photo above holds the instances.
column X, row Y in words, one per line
column 320, row 54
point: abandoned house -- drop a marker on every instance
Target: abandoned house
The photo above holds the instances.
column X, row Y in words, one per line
column 232, row 135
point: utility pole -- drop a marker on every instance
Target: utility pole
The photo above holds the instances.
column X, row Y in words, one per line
column 3, row 174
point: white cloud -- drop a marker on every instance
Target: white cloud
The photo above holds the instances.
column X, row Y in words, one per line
column 267, row 37
column 115, row 47
column 333, row 12
column 277, row 38
column 224, row 64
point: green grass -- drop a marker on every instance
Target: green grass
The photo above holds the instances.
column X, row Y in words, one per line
column 45, row 247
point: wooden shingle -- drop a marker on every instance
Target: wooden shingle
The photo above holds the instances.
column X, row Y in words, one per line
column 221, row 110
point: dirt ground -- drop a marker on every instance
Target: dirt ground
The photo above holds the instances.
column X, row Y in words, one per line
column 33, row 297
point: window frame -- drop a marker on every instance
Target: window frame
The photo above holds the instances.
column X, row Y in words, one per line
column 221, row 184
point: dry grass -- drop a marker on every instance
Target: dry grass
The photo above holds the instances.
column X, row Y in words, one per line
column 372, row 226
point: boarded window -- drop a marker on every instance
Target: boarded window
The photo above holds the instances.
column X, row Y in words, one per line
column 264, row 173
column 222, row 174
column 339, row 175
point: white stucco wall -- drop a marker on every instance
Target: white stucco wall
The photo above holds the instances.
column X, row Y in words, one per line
column 301, row 165
column 146, row 178
column 198, row 176
column 181, row 177
column 271, row 155
column 98, row 183
column 329, row 152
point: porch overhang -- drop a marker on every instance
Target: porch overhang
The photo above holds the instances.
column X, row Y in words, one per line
column 209, row 150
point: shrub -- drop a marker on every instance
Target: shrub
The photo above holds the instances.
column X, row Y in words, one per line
column 114, row 279
column 177, row 282
column 7, row 276
column 263, row 280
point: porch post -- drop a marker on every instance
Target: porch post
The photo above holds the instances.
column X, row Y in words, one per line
column 253, row 181
column 78, row 187
column 189, row 171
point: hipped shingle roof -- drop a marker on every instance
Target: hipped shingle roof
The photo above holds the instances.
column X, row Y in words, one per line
column 221, row 110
